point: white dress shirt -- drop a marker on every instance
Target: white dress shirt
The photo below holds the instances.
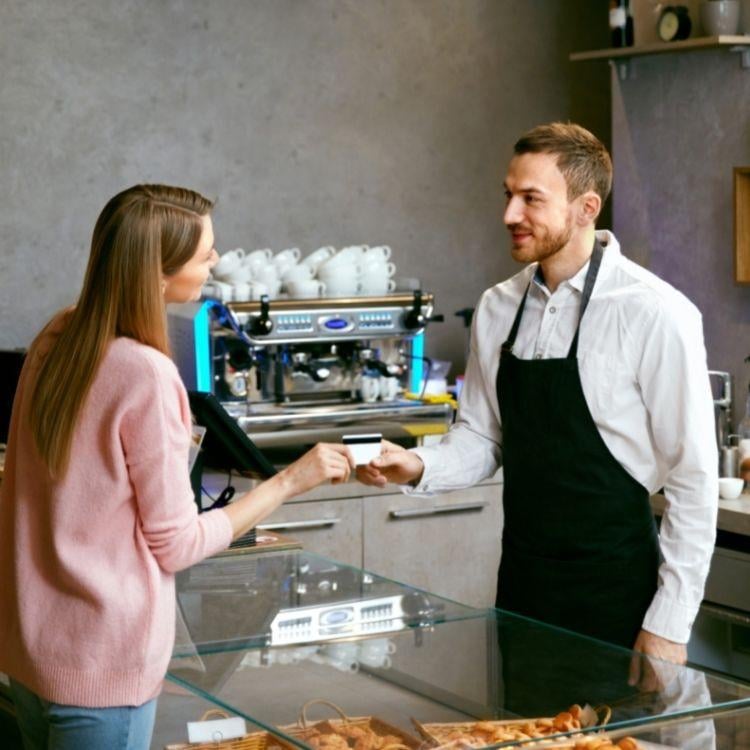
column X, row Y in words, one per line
column 642, row 363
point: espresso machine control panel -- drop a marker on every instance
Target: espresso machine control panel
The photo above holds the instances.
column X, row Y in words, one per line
column 296, row 321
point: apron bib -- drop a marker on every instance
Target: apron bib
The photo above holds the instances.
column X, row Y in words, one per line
column 580, row 549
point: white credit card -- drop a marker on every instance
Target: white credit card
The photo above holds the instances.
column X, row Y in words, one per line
column 363, row 447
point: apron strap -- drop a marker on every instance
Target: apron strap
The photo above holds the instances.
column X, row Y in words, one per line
column 511, row 340
column 588, row 288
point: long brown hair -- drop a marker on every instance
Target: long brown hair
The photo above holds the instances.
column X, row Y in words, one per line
column 143, row 233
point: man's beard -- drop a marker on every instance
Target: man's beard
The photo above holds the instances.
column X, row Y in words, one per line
column 546, row 246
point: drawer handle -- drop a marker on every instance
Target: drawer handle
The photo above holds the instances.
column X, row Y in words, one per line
column 422, row 512
column 727, row 615
column 319, row 523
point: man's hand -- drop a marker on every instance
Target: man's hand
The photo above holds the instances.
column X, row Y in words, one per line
column 651, row 674
column 395, row 464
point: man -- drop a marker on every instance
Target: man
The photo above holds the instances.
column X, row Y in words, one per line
column 587, row 377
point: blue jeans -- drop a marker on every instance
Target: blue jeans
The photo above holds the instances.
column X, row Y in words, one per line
column 52, row 726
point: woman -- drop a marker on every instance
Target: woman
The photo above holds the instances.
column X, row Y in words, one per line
column 97, row 512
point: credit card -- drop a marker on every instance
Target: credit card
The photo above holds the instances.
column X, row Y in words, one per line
column 363, row 447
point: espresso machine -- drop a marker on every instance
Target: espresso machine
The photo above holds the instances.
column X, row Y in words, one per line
column 295, row 372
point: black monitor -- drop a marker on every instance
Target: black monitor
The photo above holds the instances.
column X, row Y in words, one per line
column 11, row 362
column 225, row 445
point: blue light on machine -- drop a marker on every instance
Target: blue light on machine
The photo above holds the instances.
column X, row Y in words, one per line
column 417, row 352
column 336, row 324
column 202, row 352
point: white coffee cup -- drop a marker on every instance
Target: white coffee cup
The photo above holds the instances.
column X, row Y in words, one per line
column 389, row 387
column 378, row 251
column 256, row 289
column 305, row 288
column 376, row 652
column 331, row 270
column 339, row 273
column 299, row 272
column 342, row 287
column 228, row 262
column 258, row 258
column 241, row 291
column 267, row 274
column 288, row 257
column 378, row 267
column 375, row 285
column 220, row 290
column 369, row 388
column 338, row 262
column 321, row 255
column 353, row 251
column 239, row 275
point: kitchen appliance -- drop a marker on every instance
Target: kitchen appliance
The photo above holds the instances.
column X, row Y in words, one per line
column 290, row 372
column 721, row 634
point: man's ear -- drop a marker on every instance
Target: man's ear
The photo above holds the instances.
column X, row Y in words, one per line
column 590, row 206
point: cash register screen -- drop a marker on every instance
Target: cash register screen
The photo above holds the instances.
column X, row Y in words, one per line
column 10, row 370
column 225, row 445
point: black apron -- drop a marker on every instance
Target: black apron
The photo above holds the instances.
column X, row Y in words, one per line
column 580, row 549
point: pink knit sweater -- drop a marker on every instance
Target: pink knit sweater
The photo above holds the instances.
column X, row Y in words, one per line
column 87, row 563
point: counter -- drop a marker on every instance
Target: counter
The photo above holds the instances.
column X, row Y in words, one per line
column 734, row 515
column 264, row 635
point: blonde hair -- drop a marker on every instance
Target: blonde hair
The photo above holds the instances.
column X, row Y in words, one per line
column 143, row 233
column 582, row 158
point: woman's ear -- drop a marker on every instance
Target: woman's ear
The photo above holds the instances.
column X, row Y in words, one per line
column 163, row 285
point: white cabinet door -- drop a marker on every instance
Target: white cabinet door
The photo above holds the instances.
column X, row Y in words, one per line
column 448, row 544
column 327, row 527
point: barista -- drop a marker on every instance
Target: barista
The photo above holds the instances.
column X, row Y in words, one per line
column 587, row 376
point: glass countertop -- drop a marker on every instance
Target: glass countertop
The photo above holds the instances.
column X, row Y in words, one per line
column 262, row 635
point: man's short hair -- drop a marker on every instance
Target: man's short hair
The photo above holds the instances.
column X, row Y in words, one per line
column 582, row 158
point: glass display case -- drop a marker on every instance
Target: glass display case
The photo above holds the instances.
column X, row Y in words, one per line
column 293, row 642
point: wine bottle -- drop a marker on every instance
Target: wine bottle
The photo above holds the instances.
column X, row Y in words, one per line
column 621, row 23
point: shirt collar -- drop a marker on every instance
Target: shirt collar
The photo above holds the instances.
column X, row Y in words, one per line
column 609, row 259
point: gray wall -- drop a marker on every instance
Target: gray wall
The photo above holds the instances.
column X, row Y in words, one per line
column 680, row 124
column 316, row 122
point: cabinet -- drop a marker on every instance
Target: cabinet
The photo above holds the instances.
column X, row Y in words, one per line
column 328, row 527
column 449, row 544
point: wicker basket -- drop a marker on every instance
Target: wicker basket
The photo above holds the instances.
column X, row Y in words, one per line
column 442, row 734
column 252, row 741
column 304, row 730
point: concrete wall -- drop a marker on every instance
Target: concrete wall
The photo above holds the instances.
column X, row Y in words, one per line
column 680, row 124
column 314, row 122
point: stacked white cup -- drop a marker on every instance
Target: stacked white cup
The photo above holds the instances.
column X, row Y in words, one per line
column 377, row 271
column 340, row 273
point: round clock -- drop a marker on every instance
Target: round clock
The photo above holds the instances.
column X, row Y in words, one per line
column 674, row 23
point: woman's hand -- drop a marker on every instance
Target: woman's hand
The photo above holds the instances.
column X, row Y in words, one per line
column 325, row 462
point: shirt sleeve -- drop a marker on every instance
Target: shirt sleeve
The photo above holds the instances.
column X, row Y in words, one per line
column 673, row 378
column 470, row 452
column 156, row 441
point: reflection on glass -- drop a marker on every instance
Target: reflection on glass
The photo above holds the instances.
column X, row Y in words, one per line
column 263, row 635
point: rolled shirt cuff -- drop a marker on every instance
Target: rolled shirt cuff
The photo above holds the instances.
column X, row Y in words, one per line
column 424, row 486
column 669, row 618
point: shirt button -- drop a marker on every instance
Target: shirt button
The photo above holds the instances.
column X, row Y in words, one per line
column 537, row 356
column 553, row 310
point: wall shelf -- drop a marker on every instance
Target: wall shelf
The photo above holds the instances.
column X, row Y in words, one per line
column 621, row 56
